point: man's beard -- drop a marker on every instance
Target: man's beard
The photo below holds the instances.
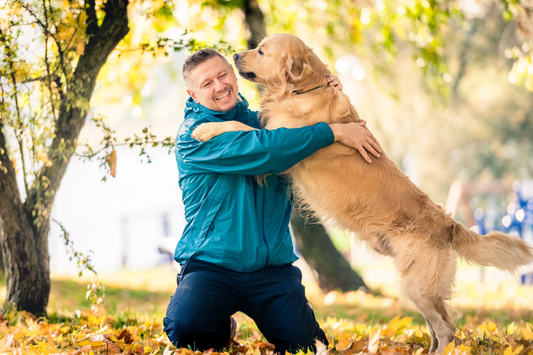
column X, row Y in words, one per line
column 237, row 101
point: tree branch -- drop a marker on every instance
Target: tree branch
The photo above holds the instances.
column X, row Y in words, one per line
column 47, row 32
column 90, row 9
column 19, row 139
column 71, row 118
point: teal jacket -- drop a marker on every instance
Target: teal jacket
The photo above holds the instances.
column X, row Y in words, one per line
column 231, row 220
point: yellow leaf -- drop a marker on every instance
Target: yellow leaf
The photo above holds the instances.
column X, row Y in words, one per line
column 3, row 343
column 419, row 351
column 158, row 4
column 397, row 325
column 82, row 19
column 464, row 349
column 111, row 160
column 42, row 156
column 509, row 350
column 344, row 342
column 449, row 348
column 97, row 344
column 81, row 344
column 81, row 47
column 511, row 328
column 14, row 161
column 65, row 329
column 65, row 4
column 491, row 327
column 93, row 320
column 147, row 349
column 50, row 341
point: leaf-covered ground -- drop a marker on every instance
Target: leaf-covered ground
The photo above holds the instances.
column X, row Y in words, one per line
column 492, row 317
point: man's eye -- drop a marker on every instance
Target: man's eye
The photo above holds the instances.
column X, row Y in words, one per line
column 223, row 75
column 260, row 52
column 206, row 85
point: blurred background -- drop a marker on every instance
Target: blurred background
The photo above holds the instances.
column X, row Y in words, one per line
column 457, row 125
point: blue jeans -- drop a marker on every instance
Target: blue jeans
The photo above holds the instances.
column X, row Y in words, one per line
column 207, row 295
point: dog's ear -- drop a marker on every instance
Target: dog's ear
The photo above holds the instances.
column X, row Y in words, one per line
column 283, row 85
column 297, row 68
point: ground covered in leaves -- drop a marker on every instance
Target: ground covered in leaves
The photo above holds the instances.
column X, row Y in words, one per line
column 492, row 317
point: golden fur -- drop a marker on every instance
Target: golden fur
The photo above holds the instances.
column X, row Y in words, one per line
column 376, row 201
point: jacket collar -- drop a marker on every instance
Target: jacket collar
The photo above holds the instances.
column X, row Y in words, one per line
column 192, row 108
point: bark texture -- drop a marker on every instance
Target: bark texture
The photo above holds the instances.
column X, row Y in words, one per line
column 24, row 226
column 255, row 21
column 330, row 269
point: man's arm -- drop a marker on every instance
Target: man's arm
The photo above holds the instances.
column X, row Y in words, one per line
column 254, row 152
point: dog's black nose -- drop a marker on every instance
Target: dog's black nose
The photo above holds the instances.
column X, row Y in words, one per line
column 236, row 56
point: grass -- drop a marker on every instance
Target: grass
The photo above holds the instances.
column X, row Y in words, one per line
column 144, row 295
column 137, row 301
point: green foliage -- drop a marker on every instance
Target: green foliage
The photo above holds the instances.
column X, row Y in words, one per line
column 95, row 290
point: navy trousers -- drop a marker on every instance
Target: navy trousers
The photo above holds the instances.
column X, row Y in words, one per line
column 207, row 295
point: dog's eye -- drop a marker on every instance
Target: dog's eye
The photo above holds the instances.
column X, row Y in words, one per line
column 260, row 52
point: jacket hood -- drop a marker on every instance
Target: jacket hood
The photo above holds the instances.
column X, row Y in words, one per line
column 192, row 108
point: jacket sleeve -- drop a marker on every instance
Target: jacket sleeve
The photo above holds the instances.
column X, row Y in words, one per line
column 250, row 153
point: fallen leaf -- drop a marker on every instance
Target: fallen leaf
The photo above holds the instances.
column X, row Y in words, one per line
column 321, row 348
column 373, row 341
column 345, row 342
column 111, row 160
column 510, row 351
column 449, row 348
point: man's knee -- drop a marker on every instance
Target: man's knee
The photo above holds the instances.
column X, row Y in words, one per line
column 186, row 329
column 179, row 331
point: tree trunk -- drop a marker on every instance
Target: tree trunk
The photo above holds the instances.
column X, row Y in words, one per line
column 24, row 227
column 255, row 21
column 330, row 269
column 28, row 282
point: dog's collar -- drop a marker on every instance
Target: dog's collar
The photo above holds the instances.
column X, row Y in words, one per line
column 299, row 92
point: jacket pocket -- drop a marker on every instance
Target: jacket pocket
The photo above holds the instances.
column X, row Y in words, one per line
column 211, row 206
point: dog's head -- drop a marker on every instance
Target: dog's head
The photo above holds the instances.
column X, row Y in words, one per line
column 284, row 63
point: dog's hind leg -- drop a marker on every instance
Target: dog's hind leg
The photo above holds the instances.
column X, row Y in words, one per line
column 434, row 340
column 427, row 282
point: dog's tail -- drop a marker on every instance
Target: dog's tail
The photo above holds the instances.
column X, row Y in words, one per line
column 503, row 251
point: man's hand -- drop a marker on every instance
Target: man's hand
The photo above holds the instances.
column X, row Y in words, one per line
column 355, row 135
column 334, row 81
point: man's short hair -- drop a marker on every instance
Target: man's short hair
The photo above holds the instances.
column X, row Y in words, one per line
column 196, row 59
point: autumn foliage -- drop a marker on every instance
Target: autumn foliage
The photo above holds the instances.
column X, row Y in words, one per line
column 90, row 333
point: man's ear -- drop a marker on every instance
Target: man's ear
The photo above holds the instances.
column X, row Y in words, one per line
column 192, row 94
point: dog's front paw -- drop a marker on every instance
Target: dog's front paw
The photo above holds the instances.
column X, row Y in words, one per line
column 205, row 132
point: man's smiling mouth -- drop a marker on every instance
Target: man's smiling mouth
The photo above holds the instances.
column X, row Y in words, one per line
column 223, row 96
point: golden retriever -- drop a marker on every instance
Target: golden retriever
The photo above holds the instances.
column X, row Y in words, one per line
column 376, row 201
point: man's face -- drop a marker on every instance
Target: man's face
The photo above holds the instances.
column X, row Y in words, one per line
column 214, row 85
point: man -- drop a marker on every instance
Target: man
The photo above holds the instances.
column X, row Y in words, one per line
column 236, row 250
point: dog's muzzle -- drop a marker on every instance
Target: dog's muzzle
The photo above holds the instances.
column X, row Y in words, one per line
column 248, row 76
column 238, row 64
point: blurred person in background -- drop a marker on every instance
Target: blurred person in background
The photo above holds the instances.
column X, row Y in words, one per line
column 236, row 251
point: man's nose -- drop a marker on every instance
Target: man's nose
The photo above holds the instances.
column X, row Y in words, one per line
column 218, row 85
column 235, row 57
